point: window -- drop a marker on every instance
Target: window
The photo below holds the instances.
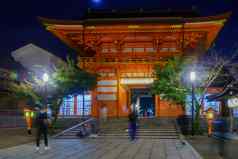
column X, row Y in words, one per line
column 127, row 50
column 113, row 50
column 68, row 106
column 150, row 49
column 105, row 50
column 164, row 49
column 84, row 108
column 172, row 49
column 138, row 49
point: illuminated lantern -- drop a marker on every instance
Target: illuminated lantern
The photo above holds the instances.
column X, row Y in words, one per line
column 210, row 114
column 32, row 114
column 28, row 116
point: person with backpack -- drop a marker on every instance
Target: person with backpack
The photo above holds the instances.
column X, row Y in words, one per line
column 132, row 125
column 42, row 123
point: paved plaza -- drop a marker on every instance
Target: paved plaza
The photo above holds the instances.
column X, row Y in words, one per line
column 104, row 149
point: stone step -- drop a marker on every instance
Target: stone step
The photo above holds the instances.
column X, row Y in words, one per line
column 174, row 134
column 143, row 131
column 116, row 135
column 126, row 133
column 148, row 128
column 139, row 129
column 121, row 137
column 140, row 137
column 155, row 128
column 67, row 137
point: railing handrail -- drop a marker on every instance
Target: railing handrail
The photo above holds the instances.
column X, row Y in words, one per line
column 75, row 126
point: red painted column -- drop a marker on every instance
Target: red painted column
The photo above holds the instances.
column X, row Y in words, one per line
column 75, row 104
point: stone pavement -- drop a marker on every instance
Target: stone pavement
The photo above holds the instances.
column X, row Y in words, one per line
column 104, row 149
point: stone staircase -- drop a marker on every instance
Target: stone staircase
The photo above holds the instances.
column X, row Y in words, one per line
column 86, row 127
column 147, row 129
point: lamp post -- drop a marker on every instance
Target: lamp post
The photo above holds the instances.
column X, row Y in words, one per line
column 192, row 78
column 45, row 79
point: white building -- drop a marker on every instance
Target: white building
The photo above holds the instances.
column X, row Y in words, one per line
column 36, row 59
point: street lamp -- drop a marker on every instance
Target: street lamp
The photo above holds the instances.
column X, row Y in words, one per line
column 192, row 78
column 45, row 79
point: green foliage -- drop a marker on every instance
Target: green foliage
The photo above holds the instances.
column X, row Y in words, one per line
column 168, row 83
column 24, row 91
column 13, row 75
column 70, row 79
column 66, row 80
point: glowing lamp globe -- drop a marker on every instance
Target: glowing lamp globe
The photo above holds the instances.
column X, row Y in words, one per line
column 45, row 77
column 192, row 76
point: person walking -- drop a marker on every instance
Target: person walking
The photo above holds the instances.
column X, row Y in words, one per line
column 42, row 128
column 103, row 113
column 132, row 125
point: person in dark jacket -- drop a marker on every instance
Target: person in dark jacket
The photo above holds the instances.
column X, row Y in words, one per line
column 132, row 125
column 41, row 128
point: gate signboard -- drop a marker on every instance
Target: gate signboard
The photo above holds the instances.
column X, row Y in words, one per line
column 233, row 102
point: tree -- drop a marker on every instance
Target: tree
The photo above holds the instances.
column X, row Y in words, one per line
column 209, row 68
column 168, row 82
column 171, row 83
column 9, row 84
column 65, row 80
column 24, row 90
column 70, row 80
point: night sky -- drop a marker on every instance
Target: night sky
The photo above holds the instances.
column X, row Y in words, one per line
column 19, row 24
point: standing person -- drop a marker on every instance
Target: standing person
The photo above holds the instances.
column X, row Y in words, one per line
column 221, row 144
column 104, row 113
column 132, row 125
column 42, row 128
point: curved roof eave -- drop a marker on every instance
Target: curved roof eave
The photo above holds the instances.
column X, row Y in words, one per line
column 47, row 21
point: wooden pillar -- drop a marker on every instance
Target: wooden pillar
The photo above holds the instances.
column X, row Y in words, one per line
column 129, row 99
column 157, row 105
column 75, row 104
column 118, row 91
column 94, row 108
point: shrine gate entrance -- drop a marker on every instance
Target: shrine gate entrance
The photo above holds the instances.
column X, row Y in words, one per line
column 123, row 48
column 143, row 102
